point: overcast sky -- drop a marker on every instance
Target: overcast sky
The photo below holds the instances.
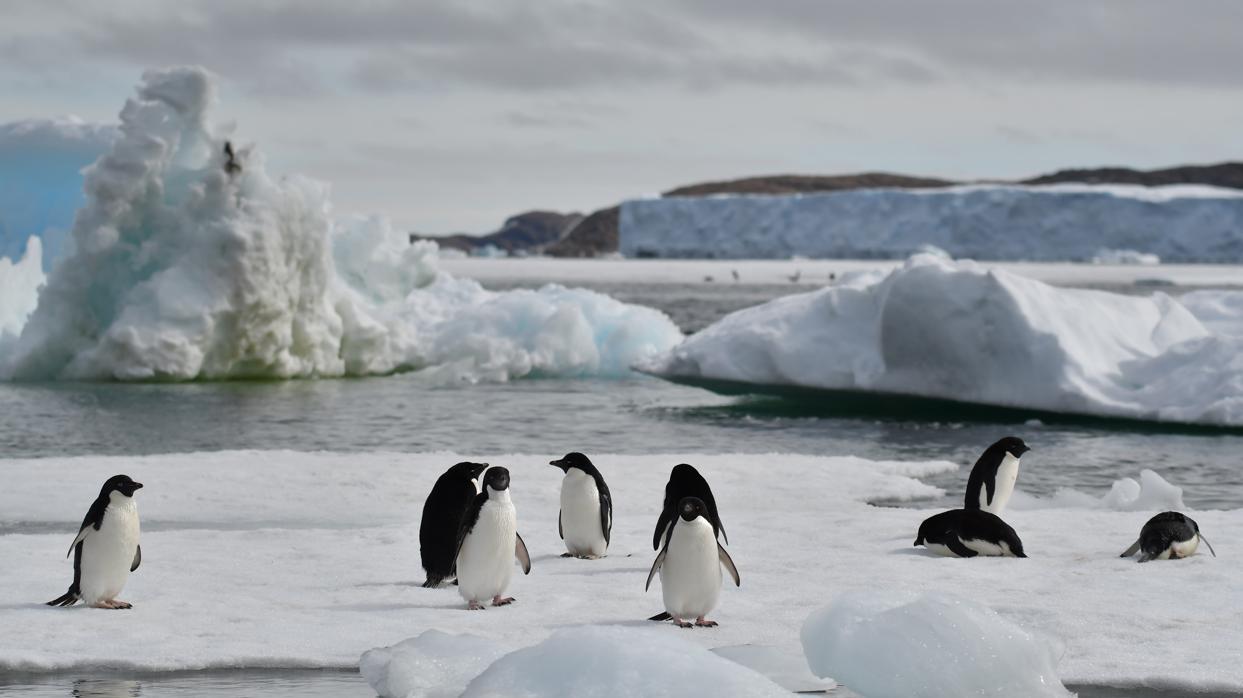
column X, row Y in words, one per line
column 453, row 115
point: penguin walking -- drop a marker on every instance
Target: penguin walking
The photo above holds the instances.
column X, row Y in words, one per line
column 968, row 533
column 106, row 548
column 585, row 522
column 685, row 481
column 488, row 541
column 992, row 478
column 1168, row 536
column 690, row 566
column 447, row 503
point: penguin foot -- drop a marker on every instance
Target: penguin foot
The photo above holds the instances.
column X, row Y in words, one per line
column 567, row 554
column 589, row 557
column 502, row 601
column 682, row 623
column 113, row 604
column 701, row 623
column 475, row 606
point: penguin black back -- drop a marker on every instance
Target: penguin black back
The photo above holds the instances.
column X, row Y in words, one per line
column 951, row 528
column 1164, row 532
column 685, row 481
column 446, row 505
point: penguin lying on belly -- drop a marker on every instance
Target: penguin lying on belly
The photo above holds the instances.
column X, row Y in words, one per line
column 1168, row 536
column 968, row 533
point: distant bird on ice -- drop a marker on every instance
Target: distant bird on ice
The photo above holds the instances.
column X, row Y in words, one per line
column 795, row 276
column 735, row 273
column 106, row 548
column 231, row 164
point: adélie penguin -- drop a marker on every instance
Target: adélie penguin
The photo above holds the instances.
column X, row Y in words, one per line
column 992, row 478
column 106, row 548
column 488, row 542
column 690, row 566
column 968, row 533
column 585, row 521
column 1168, row 536
column 685, row 481
column 447, row 503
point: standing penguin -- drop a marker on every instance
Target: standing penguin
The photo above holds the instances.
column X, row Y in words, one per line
column 1168, row 536
column 967, row 533
column 447, row 503
column 106, row 549
column 488, row 541
column 585, row 522
column 992, row 479
column 690, row 566
column 685, row 481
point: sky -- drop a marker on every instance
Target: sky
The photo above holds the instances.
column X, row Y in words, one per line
column 451, row 116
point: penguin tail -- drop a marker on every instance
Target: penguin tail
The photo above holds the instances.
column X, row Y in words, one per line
column 661, row 616
column 69, row 598
column 432, row 581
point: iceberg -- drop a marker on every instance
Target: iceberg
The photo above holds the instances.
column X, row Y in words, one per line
column 1060, row 222
column 21, row 281
column 435, row 664
column 959, row 331
column 188, row 264
column 936, row 644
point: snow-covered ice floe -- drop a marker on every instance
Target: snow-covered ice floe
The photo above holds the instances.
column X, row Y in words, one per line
column 929, row 646
column 1059, row 222
column 960, row 331
column 186, row 264
column 282, row 559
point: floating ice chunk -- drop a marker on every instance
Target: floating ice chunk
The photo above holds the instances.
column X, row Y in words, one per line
column 1125, row 257
column 617, row 662
column 435, row 664
column 932, row 645
column 1150, row 493
column 960, row 331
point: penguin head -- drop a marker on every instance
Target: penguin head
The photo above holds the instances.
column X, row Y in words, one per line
column 691, row 508
column 1010, row 444
column 496, row 479
column 470, row 471
column 574, row 459
column 121, row 486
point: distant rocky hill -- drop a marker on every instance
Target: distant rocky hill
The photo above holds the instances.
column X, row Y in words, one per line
column 597, row 233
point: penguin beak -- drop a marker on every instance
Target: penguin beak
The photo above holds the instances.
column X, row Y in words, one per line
column 138, row 485
column 560, row 463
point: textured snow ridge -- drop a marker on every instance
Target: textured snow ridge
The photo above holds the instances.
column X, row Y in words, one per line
column 938, row 644
column 1066, row 222
column 960, row 331
column 185, row 267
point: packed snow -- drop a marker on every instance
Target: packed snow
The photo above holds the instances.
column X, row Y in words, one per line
column 962, row 331
column 184, row 267
column 283, row 559
column 1062, row 222
column 929, row 646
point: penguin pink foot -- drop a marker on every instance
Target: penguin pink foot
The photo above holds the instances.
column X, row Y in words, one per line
column 701, row 623
column 475, row 606
column 502, row 600
column 683, row 623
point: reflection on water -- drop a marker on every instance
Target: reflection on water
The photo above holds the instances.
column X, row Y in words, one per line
column 260, row 683
column 106, row 688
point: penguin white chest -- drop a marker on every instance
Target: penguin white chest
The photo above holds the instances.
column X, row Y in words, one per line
column 107, row 554
column 580, row 514
column 690, row 578
column 1182, row 548
column 1007, row 475
column 486, row 560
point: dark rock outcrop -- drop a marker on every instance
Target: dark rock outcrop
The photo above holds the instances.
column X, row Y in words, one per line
column 525, row 232
column 596, row 234
column 799, row 184
column 1226, row 174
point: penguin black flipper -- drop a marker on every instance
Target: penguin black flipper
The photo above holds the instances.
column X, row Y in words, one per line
column 729, row 564
column 1131, row 550
column 137, row 559
column 91, row 522
column 560, row 531
column 662, row 523
column 955, row 545
column 660, row 560
column 663, row 615
column 520, row 552
column 1210, row 545
column 606, row 511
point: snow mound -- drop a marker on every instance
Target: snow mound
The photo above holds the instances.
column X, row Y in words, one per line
column 616, row 661
column 785, row 669
column 1066, row 222
column 887, row 644
column 1150, row 493
column 959, row 331
column 185, row 268
column 21, row 282
column 41, row 182
column 435, row 664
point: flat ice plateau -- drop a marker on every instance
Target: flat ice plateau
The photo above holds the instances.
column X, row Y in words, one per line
column 1061, row 222
column 963, row 331
column 282, row 559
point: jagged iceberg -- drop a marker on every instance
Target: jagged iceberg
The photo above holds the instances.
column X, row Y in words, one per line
column 1063, row 222
column 186, row 266
column 935, row 328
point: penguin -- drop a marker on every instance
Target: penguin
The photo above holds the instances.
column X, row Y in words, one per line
column 968, row 533
column 685, row 481
column 106, row 548
column 585, row 521
column 231, row 165
column 992, row 478
column 447, row 503
column 488, row 541
column 1168, row 536
column 690, row 566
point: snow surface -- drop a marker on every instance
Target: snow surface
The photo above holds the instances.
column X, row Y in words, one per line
column 282, row 559
column 1071, row 222
column 963, row 331
column 181, row 271
column 932, row 645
